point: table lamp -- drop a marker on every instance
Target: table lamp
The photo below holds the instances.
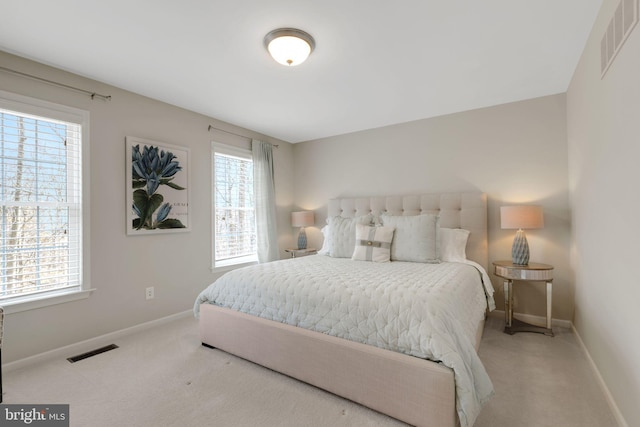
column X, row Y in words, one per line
column 521, row 217
column 302, row 219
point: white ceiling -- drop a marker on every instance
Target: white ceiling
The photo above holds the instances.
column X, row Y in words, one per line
column 376, row 63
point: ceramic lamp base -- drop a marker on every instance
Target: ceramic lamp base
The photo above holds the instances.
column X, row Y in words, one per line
column 520, row 249
column 302, row 239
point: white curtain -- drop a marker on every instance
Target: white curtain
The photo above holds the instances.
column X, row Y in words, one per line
column 265, row 196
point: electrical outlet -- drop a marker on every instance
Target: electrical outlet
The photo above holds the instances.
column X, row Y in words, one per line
column 150, row 292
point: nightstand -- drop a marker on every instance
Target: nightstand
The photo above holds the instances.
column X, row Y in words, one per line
column 296, row 253
column 533, row 272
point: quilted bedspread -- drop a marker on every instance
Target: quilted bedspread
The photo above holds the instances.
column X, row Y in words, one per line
column 424, row 310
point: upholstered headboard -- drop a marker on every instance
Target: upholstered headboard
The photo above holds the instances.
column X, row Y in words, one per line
column 456, row 210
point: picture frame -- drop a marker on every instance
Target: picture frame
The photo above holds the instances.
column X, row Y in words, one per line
column 157, row 187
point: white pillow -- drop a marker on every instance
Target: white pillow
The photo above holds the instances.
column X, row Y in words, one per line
column 326, row 243
column 342, row 234
column 453, row 244
column 415, row 238
column 373, row 243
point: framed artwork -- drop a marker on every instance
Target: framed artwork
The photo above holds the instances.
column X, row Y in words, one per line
column 157, row 180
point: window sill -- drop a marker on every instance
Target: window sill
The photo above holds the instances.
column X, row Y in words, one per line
column 234, row 263
column 32, row 303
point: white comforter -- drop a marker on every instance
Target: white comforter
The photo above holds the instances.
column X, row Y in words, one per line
column 424, row 310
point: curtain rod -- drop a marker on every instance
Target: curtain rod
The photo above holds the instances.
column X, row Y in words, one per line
column 62, row 85
column 233, row 133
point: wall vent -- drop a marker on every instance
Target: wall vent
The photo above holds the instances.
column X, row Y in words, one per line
column 92, row 353
column 623, row 21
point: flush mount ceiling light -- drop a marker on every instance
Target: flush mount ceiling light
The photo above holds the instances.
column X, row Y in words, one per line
column 289, row 46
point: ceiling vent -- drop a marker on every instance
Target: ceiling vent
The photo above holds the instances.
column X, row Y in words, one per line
column 623, row 21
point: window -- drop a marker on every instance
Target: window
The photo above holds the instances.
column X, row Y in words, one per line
column 234, row 219
column 40, row 199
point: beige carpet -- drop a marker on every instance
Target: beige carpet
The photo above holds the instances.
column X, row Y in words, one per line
column 164, row 377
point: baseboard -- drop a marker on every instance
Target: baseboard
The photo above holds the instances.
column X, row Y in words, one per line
column 612, row 403
column 535, row 320
column 92, row 343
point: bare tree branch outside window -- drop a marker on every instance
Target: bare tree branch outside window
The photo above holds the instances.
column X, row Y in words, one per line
column 39, row 195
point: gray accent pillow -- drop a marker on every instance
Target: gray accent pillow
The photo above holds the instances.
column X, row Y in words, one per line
column 415, row 239
column 342, row 233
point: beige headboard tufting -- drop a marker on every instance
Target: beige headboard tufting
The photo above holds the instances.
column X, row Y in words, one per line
column 456, row 210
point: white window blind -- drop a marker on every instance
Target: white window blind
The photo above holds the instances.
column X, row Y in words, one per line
column 41, row 202
column 234, row 207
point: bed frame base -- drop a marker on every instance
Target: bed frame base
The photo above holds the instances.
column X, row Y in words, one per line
column 413, row 390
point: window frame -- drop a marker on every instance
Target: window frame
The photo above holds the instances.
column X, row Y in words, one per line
column 45, row 109
column 231, row 264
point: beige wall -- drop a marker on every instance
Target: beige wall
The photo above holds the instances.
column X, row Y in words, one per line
column 603, row 123
column 517, row 153
column 178, row 265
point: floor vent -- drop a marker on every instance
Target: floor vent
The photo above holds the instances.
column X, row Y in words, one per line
column 623, row 21
column 92, row 353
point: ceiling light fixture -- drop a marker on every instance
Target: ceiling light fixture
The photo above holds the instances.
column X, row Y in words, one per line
column 289, row 46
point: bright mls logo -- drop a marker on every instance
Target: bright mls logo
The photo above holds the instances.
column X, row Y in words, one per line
column 34, row 415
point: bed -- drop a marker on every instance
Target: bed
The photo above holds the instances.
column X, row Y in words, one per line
column 425, row 371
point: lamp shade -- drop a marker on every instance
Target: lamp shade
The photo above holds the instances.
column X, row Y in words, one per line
column 302, row 219
column 521, row 217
